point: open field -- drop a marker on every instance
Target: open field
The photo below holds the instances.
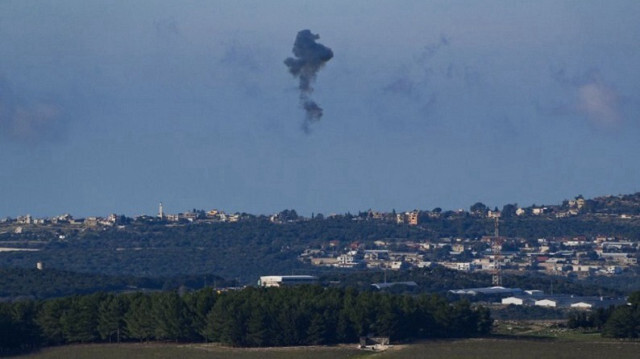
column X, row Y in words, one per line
column 450, row 349
column 516, row 348
column 191, row 351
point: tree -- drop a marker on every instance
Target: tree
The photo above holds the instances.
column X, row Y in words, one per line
column 139, row 318
column 258, row 333
column 79, row 322
column 48, row 320
column 478, row 209
column 18, row 330
column 199, row 304
column 624, row 322
column 171, row 317
column 317, row 330
column 111, row 318
column 509, row 210
column 387, row 321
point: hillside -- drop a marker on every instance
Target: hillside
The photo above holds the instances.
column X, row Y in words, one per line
column 251, row 246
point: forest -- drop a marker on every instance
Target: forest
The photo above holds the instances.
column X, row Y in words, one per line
column 259, row 317
column 252, row 317
column 613, row 322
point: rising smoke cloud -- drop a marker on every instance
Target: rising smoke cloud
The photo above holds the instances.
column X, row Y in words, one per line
column 310, row 57
column 26, row 122
column 594, row 99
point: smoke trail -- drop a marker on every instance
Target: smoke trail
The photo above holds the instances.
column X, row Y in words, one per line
column 310, row 56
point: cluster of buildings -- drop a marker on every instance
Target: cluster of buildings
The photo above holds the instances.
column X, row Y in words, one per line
column 519, row 297
column 64, row 219
column 113, row 219
column 560, row 256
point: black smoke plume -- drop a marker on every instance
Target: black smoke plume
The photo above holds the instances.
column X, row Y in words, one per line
column 310, row 56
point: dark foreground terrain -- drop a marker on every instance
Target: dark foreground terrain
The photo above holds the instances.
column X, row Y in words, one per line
column 467, row 348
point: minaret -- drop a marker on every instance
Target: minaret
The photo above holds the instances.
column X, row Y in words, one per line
column 160, row 212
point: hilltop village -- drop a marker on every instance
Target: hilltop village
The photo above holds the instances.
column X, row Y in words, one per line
column 606, row 254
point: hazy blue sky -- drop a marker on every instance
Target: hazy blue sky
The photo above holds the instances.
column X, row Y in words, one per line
column 114, row 106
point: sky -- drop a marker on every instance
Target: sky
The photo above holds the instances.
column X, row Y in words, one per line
column 115, row 106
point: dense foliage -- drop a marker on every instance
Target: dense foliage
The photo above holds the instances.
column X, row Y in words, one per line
column 624, row 321
column 615, row 322
column 250, row 317
column 16, row 283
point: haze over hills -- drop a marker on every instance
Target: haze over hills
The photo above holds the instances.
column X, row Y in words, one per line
column 580, row 237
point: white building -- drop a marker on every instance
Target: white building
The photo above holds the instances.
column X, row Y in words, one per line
column 517, row 301
column 286, row 280
column 552, row 303
column 582, row 305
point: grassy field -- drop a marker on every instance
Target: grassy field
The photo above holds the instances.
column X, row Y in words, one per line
column 195, row 351
column 515, row 348
column 451, row 349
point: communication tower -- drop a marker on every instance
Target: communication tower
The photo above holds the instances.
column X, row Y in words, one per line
column 496, row 247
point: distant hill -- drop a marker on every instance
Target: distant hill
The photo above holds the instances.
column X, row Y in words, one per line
column 252, row 246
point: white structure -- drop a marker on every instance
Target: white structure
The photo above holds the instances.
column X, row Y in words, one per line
column 517, row 301
column 582, row 305
column 534, row 292
column 285, row 280
column 547, row 303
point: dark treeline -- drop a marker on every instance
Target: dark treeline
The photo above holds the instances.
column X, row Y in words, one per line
column 614, row 322
column 31, row 283
column 23, row 283
column 302, row 315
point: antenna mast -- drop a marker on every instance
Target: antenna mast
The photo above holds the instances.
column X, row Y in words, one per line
column 496, row 246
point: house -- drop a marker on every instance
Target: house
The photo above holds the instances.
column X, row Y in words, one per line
column 376, row 254
column 458, row 247
column 459, row 266
column 349, row 260
column 412, row 218
column 396, row 265
column 324, row 261
column 539, row 211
